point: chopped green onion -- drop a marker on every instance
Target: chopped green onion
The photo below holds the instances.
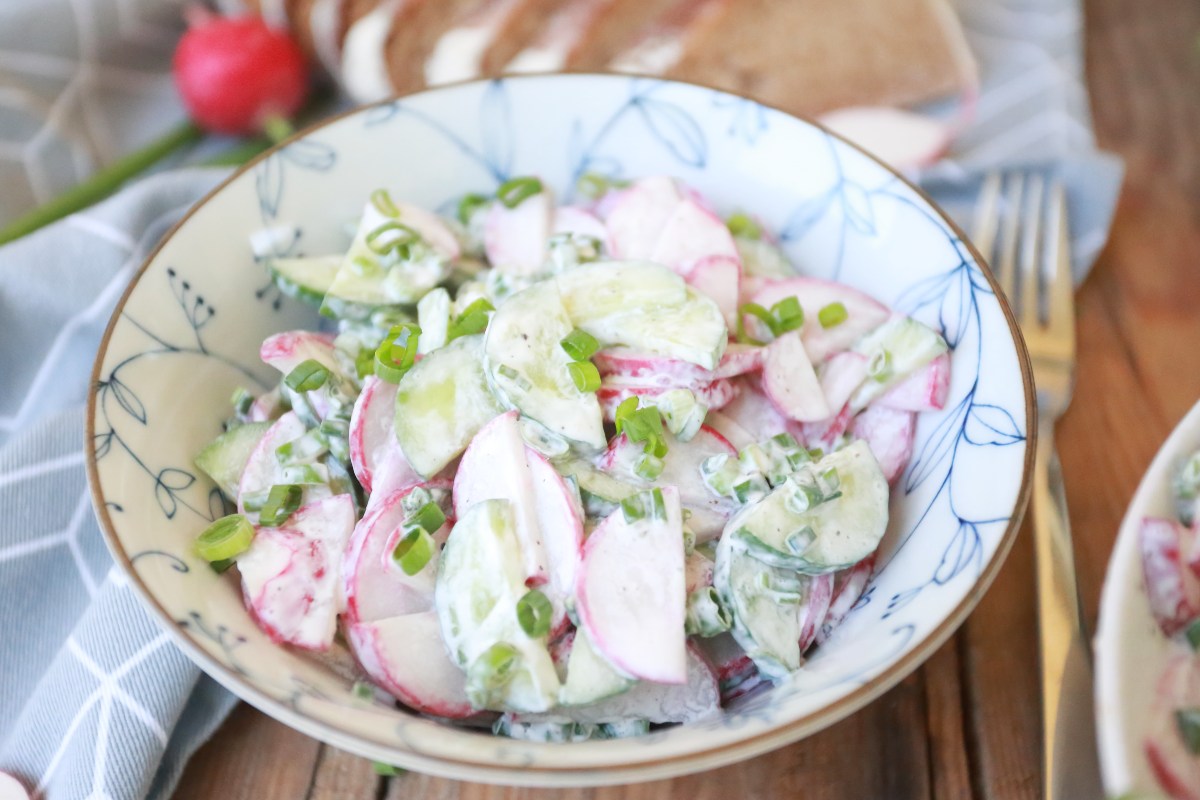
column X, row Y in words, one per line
column 623, row 412
column 515, row 191
column 800, row 540
column 363, row 266
column 386, row 770
column 398, row 244
column 473, row 319
column 705, row 615
column 414, row 550
column 1187, row 720
column 222, row 566
column 644, row 504
column 397, row 352
column 241, row 401
column 758, row 312
column 364, row 363
column 491, row 671
column 584, row 375
column 788, row 314
column 469, row 205
column 1193, row 635
column 254, row 501
column 744, row 226
column 414, row 500
column 682, row 413
column 311, row 445
column 642, row 425
column 516, row 377
column 307, row 376
column 593, row 185
column 282, row 502
column 751, row 489
column 534, row 612
column 782, row 590
column 580, row 345
column 648, row 467
column 362, row 690
column 832, row 315
column 429, row 516
column 306, row 474
column 226, row 538
column 879, row 368
column 383, row 203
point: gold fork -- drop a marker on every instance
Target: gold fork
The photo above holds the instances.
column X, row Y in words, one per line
column 1031, row 257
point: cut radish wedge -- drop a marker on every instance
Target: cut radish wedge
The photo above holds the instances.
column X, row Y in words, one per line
column 791, row 383
column 1175, row 767
column 630, row 593
column 263, row 469
column 628, row 366
column 638, row 215
column 1172, row 589
column 692, row 235
column 285, row 351
column 515, row 238
column 406, row 657
column 890, row 434
column 827, row 433
column 290, row 575
column 903, row 139
column 814, row 610
column 734, row 433
column 841, row 375
column 578, row 221
column 373, row 438
column 715, row 395
column 924, row 390
column 375, row 586
column 848, row 587
column 753, row 413
column 863, row 313
column 719, row 277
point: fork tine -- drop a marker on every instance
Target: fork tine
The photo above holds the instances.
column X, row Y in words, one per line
column 987, row 216
column 1007, row 271
column 1033, row 257
column 1060, row 305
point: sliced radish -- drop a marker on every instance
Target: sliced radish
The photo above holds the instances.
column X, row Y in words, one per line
column 752, row 412
column 691, row 235
column 791, row 383
column 498, row 465
column 290, row 576
column 725, row 655
column 285, row 351
column 406, row 657
column 849, row 585
column 1173, row 591
column 681, row 469
column 375, row 586
column 1175, row 767
column 924, row 390
column 734, row 433
column 373, row 438
column 638, row 215
column 815, row 609
column 515, row 238
column 11, row 788
column 827, row 433
column 903, row 139
column 634, row 367
column 890, row 435
column 579, row 221
column 267, row 406
column 611, row 394
column 863, row 313
column 841, row 375
column 740, row 359
column 430, row 226
column 263, row 469
column 719, row 277
column 630, row 593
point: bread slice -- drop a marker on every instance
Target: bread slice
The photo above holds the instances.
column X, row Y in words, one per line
column 414, row 32
column 562, row 37
column 485, row 39
column 659, row 45
column 812, row 56
column 363, row 68
column 613, row 30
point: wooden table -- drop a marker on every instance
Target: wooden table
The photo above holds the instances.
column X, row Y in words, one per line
column 966, row 724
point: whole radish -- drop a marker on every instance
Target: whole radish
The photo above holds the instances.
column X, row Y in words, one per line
column 238, row 75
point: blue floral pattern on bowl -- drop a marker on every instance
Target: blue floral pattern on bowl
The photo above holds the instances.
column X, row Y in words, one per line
column 188, row 333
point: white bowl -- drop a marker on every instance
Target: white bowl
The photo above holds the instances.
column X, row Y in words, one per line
column 1131, row 651
column 187, row 333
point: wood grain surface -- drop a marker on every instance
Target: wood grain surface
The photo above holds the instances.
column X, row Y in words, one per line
column 966, row 724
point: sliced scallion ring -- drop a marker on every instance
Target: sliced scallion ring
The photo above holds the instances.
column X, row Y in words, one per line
column 469, row 205
column 282, row 502
column 534, row 613
column 584, row 375
column 1187, row 721
column 515, row 191
column 429, row 516
column 398, row 244
column 833, row 314
column 414, row 550
column 759, row 313
column 744, row 226
column 788, row 314
column 474, row 319
column 383, row 203
column 225, row 539
column 307, row 376
column 580, row 345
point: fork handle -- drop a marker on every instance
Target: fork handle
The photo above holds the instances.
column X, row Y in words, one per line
column 1069, row 765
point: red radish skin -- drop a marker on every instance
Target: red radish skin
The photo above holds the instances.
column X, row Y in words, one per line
column 720, row 278
column 725, row 656
column 826, row 433
column 1172, row 589
column 815, row 609
column 373, row 444
column 262, row 466
column 903, row 139
column 405, row 656
column 636, row 368
column 789, row 381
column 638, row 215
column 630, row 594
column 1176, row 769
column 849, row 585
column 516, row 238
column 375, row 587
column 715, row 395
column 924, row 390
column 579, row 221
column 692, row 235
column 235, row 74
column 863, row 314
column 735, row 434
column 890, row 434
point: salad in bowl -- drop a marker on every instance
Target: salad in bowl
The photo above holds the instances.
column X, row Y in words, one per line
column 567, row 470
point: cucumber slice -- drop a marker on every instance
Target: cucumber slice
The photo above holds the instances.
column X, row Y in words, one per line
column 306, row 279
column 433, row 315
column 846, row 529
column 765, row 603
column 894, row 350
column 224, row 458
column 441, row 403
column 598, row 291
column 480, row 579
column 528, row 366
column 589, row 677
column 601, row 493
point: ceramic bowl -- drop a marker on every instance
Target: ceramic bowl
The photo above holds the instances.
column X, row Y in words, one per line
column 187, row 333
column 1131, row 651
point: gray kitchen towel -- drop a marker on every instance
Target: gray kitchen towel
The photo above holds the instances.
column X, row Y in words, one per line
column 94, row 700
